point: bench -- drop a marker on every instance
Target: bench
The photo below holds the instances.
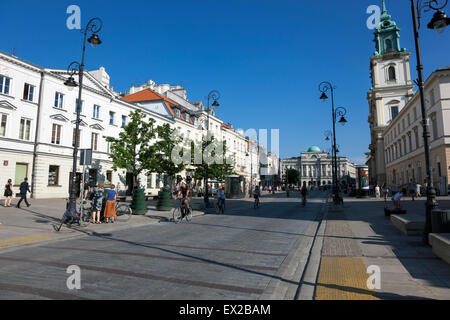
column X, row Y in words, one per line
column 408, row 226
column 440, row 242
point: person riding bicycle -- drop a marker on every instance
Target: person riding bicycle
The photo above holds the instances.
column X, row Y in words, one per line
column 185, row 192
column 221, row 198
column 257, row 193
column 304, row 192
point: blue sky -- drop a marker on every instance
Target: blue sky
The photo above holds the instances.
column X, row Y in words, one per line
column 266, row 58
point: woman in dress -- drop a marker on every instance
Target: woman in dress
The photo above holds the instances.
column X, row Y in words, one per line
column 110, row 209
column 8, row 193
column 97, row 202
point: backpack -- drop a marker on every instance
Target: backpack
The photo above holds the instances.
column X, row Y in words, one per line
column 91, row 195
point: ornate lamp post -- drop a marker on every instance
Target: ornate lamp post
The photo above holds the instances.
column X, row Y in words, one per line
column 213, row 95
column 94, row 26
column 339, row 112
column 438, row 23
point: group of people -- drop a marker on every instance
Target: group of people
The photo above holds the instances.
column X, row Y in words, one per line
column 24, row 188
column 384, row 191
column 96, row 195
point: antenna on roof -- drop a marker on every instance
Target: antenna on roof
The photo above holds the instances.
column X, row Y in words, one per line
column 14, row 51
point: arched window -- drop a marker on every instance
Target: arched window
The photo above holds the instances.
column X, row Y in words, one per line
column 392, row 73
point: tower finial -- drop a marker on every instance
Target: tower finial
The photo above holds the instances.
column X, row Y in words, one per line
column 384, row 6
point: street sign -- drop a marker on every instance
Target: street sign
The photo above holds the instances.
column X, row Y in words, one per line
column 85, row 157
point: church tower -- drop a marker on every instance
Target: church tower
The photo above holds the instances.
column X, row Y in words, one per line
column 391, row 89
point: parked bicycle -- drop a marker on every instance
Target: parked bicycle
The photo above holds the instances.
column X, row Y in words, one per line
column 76, row 215
column 181, row 212
column 123, row 211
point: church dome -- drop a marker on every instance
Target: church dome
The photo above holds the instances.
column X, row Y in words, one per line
column 314, row 149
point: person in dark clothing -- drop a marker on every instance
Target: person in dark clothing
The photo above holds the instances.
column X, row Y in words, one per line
column 24, row 188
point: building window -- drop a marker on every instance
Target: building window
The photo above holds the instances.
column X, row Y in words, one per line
column 410, row 142
column 78, row 138
column 24, row 130
column 56, row 134
column 111, row 118
column 388, row 45
column 53, row 175
column 108, row 180
column 416, row 137
column 76, row 106
column 394, row 112
column 96, row 113
column 415, row 114
column 94, row 140
column 28, row 92
column 21, row 173
column 149, row 181
column 4, row 84
column 435, row 128
column 433, row 101
column 3, row 119
column 59, row 97
column 124, row 121
column 392, row 74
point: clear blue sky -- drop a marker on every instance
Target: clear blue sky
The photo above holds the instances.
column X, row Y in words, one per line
column 267, row 58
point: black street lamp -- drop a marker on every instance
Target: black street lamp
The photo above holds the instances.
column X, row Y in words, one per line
column 213, row 95
column 94, row 26
column 438, row 23
column 339, row 112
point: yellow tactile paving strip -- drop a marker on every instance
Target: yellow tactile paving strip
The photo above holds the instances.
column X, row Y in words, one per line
column 343, row 278
column 23, row 240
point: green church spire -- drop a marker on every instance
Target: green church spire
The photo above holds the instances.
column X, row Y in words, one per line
column 387, row 36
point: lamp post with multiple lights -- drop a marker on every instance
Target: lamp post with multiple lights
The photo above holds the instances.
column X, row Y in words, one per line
column 338, row 112
column 439, row 22
column 94, row 26
column 213, row 95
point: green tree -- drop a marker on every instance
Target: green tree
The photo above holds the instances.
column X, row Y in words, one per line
column 170, row 151
column 133, row 149
column 293, row 176
column 222, row 165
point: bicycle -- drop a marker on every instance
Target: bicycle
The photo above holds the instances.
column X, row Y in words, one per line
column 219, row 208
column 70, row 216
column 179, row 213
column 256, row 203
column 123, row 211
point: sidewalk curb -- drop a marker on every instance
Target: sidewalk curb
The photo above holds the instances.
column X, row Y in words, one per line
column 295, row 264
column 307, row 287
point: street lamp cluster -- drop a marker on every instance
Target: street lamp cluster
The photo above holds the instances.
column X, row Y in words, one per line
column 213, row 95
column 93, row 26
column 438, row 23
column 324, row 87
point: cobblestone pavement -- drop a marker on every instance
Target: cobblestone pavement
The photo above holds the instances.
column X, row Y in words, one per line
column 243, row 254
column 360, row 236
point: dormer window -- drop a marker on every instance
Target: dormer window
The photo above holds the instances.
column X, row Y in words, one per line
column 178, row 113
column 187, row 117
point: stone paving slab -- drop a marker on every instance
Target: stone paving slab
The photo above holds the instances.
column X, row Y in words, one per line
column 409, row 269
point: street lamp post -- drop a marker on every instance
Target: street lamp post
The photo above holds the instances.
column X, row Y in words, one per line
column 438, row 23
column 94, row 26
column 213, row 95
column 338, row 112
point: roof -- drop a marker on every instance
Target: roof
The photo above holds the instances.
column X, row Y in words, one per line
column 150, row 95
column 314, row 149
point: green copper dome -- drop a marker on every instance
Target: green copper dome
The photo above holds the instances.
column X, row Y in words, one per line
column 314, row 149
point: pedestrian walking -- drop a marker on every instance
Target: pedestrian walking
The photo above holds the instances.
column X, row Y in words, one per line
column 8, row 193
column 385, row 192
column 412, row 190
column 110, row 208
column 86, row 189
column 377, row 191
column 24, row 188
column 418, row 192
column 97, row 202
